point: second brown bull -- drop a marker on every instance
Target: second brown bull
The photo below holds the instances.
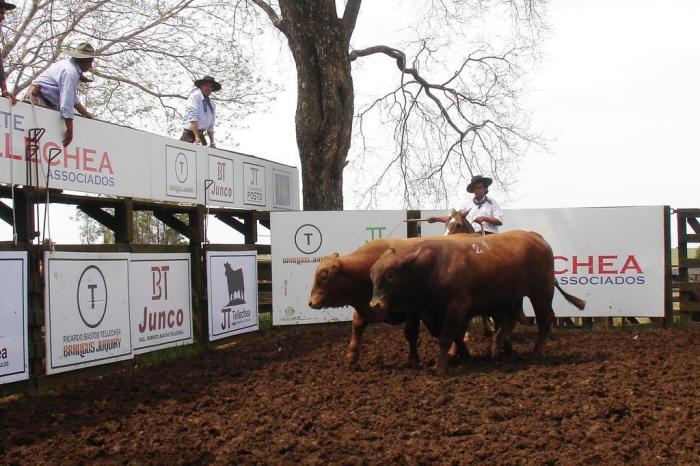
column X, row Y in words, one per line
column 450, row 282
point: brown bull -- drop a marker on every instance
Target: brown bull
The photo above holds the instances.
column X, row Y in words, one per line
column 344, row 281
column 450, row 282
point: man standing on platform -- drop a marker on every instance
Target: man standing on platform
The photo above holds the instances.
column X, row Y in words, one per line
column 57, row 87
column 200, row 113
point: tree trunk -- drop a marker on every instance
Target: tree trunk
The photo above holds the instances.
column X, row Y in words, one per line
column 319, row 45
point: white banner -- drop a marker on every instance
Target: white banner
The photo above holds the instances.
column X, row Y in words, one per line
column 160, row 294
column 87, row 309
column 254, row 184
column 232, row 282
column 612, row 257
column 116, row 160
column 14, row 344
column 301, row 239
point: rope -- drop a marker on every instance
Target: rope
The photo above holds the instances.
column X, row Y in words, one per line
column 12, row 178
column 47, row 202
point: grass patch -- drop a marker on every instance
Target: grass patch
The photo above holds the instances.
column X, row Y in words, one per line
column 169, row 354
column 265, row 320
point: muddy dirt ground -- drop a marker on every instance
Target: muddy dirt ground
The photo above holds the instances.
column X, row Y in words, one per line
column 284, row 396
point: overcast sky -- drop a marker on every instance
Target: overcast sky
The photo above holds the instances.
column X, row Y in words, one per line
column 618, row 95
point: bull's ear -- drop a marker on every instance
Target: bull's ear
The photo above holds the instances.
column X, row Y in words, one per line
column 421, row 257
column 333, row 270
column 413, row 256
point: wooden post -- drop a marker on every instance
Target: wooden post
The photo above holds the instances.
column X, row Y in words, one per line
column 668, row 282
column 251, row 228
column 200, row 320
column 682, row 254
column 413, row 228
column 24, row 215
column 124, row 222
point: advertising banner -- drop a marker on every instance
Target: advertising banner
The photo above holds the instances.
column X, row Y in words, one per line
column 181, row 172
column 160, row 296
column 221, row 174
column 301, row 239
column 14, row 344
column 612, row 257
column 254, row 184
column 232, row 282
column 116, row 160
column 283, row 190
column 87, row 309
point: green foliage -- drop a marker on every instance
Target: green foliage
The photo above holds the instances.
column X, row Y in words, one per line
column 147, row 230
column 91, row 231
column 149, row 53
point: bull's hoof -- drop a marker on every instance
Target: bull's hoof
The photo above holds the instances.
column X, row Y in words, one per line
column 507, row 347
column 352, row 359
column 442, row 371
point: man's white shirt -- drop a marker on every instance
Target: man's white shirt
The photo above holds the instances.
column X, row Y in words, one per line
column 195, row 111
column 489, row 208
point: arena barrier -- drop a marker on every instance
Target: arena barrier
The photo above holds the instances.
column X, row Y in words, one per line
column 616, row 258
column 69, row 326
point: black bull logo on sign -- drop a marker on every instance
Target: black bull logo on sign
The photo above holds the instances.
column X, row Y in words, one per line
column 236, row 287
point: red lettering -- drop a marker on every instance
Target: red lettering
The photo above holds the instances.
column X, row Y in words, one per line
column 604, row 264
column 631, row 263
column 68, row 156
column 8, row 149
column 105, row 164
column 560, row 258
column 87, row 159
column 578, row 264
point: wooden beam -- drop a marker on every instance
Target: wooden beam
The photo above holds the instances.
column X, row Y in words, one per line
column 96, row 213
column 168, row 218
column 228, row 219
column 694, row 224
column 5, row 213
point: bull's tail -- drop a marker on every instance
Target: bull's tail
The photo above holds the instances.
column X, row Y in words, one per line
column 578, row 302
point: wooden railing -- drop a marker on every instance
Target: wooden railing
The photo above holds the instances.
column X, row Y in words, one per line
column 689, row 292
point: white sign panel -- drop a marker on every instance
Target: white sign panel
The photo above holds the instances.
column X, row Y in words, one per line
column 254, row 184
column 14, row 345
column 160, row 297
column 115, row 160
column 181, row 172
column 612, row 257
column 282, row 189
column 232, row 282
column 87, row 310
column 301, row 239
column 221, row 175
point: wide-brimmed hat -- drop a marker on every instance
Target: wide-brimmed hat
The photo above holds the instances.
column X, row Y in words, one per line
column 208, row 79
column 7, row 6
column 478, row 179
column 83, row 50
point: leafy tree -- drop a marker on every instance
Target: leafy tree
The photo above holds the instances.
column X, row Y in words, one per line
column 92, row 232
column 147, row 230
column 150, row 53
column 454, row 108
